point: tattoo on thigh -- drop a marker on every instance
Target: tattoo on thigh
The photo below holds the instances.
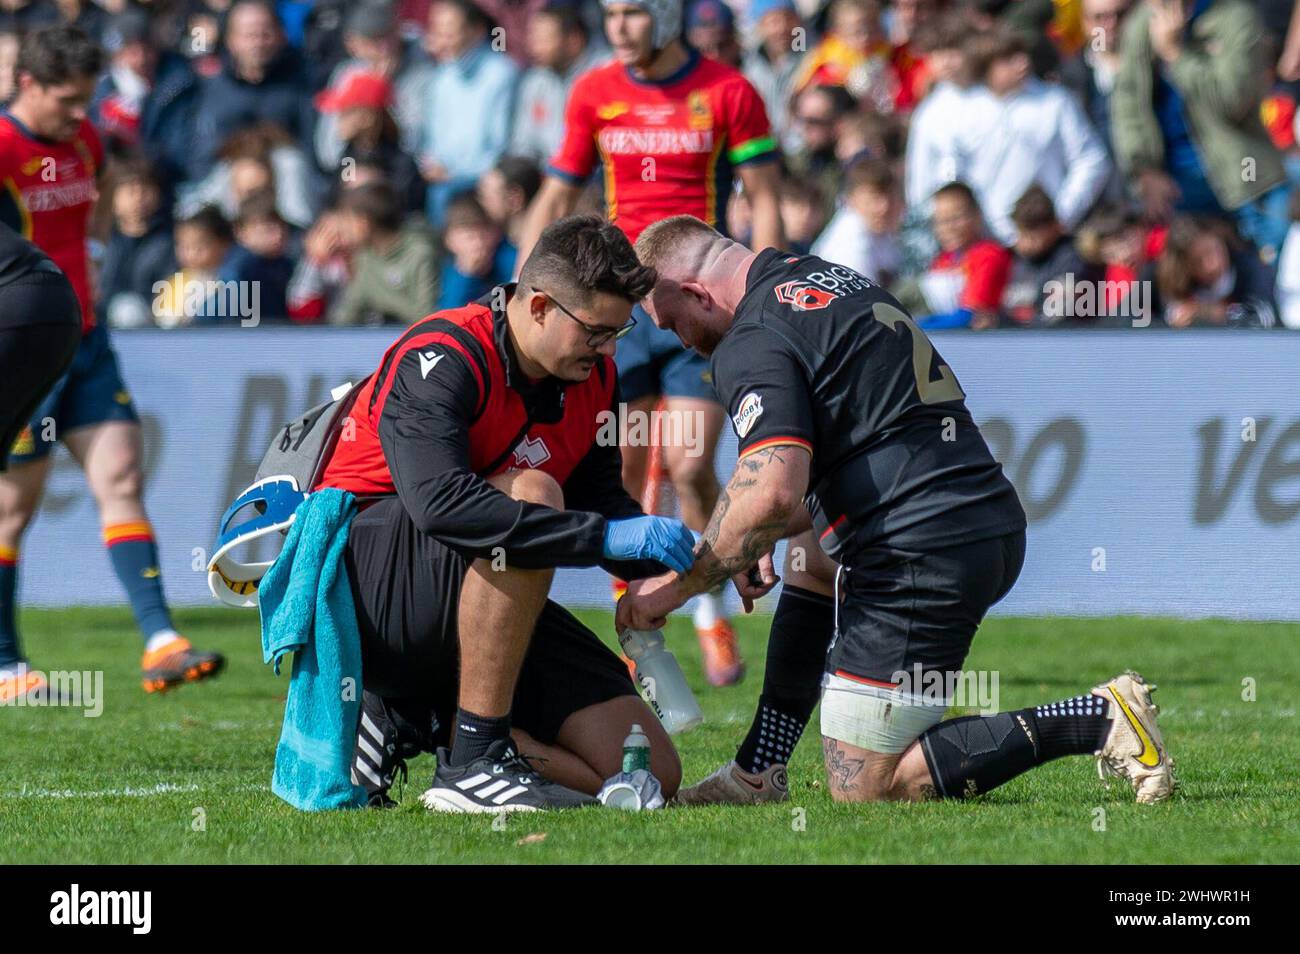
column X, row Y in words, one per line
column 840, row 771
column 928, row 793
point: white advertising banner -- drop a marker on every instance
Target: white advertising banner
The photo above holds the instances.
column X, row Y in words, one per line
column 1161, row 471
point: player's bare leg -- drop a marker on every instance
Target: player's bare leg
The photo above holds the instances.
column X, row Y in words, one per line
column 855, row 774
column 689, row 434
column 111, row 455
column 636, row 454
column 21, row 488
column 499, row 606
column 589, row 747
column 801, row 632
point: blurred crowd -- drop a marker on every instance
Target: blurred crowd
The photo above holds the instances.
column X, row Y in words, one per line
column 995, row 163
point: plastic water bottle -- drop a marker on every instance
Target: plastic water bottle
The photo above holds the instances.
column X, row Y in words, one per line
column 636, row 750
column 661, row 678
column 634, row 788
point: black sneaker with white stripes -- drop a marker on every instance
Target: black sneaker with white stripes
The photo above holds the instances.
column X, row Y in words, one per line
column 500, row 781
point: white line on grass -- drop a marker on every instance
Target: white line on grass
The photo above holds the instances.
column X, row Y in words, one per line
column 150, row 791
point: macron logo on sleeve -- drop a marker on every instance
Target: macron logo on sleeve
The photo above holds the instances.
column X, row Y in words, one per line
column 428, row 361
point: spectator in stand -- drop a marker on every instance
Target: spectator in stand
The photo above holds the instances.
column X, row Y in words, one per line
column 202, row 243
column 964, row 285
column 262, row 80
column 469, row 99
column 139, row 251
column 323, row 271
column 1115, row 239
column 201, row 45
column 711, row 29
column 561, row 50
column 476, row 258
column 1288, row 269
column 375, row 46
column 1206, row 276
column 1017, row 130
column 854, row 54
column 772, row 64
column 394, row 263
column 932, row 149
column 360, row 107
column 1044, row 256
column 324, row 45
column 904, row 19
column 803, row 213
column 818, row 112
column 1185, row 117
column 249, row 175
column 513, row 18
column 90, row 18
column 259, row 261
column 259, row 157
column 870, row 135
column 1091, row 74
column 505, row 192
column 1027, row 19
column 863, row 235
column 145, row 100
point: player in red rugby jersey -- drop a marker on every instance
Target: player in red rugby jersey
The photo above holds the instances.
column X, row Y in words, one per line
column 671, row 129
column 51, row 160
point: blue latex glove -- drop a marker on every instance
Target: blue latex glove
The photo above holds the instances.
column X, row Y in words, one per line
column 665, row 539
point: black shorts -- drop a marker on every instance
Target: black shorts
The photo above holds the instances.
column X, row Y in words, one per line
column 40, row 329
column 406, row 586
column 899, row 610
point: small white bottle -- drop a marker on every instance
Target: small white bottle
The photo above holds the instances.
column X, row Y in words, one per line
column 661, row 677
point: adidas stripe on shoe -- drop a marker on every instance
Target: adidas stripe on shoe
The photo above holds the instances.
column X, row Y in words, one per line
column 500, row 781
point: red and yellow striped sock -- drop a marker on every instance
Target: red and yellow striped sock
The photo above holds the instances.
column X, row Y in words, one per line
column 9, row 652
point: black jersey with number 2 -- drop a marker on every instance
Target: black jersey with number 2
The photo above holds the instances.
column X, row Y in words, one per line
column 821, row 357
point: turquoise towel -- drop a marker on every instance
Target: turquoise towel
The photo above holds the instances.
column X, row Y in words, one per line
column 307, row 610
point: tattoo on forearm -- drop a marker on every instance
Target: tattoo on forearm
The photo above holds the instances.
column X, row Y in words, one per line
column 840, row 771
column 713, row 570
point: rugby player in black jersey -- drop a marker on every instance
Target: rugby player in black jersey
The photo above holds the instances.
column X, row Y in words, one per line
column 854, row 435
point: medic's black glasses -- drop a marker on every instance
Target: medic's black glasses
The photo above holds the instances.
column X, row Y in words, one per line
column 597, row 335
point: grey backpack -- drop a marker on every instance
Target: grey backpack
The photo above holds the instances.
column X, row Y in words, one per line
column 302, row 447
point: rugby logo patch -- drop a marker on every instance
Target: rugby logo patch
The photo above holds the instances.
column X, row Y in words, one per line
column 751, row 409
column 801, row 296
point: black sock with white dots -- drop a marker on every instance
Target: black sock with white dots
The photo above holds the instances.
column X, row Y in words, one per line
column 1076, row 726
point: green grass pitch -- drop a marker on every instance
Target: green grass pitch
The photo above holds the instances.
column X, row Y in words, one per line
column 134, row 784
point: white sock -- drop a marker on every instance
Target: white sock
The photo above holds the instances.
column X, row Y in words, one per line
column 160, row 639
column 708, row 610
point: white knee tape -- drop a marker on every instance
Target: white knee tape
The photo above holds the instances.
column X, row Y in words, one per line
column 874, row 718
